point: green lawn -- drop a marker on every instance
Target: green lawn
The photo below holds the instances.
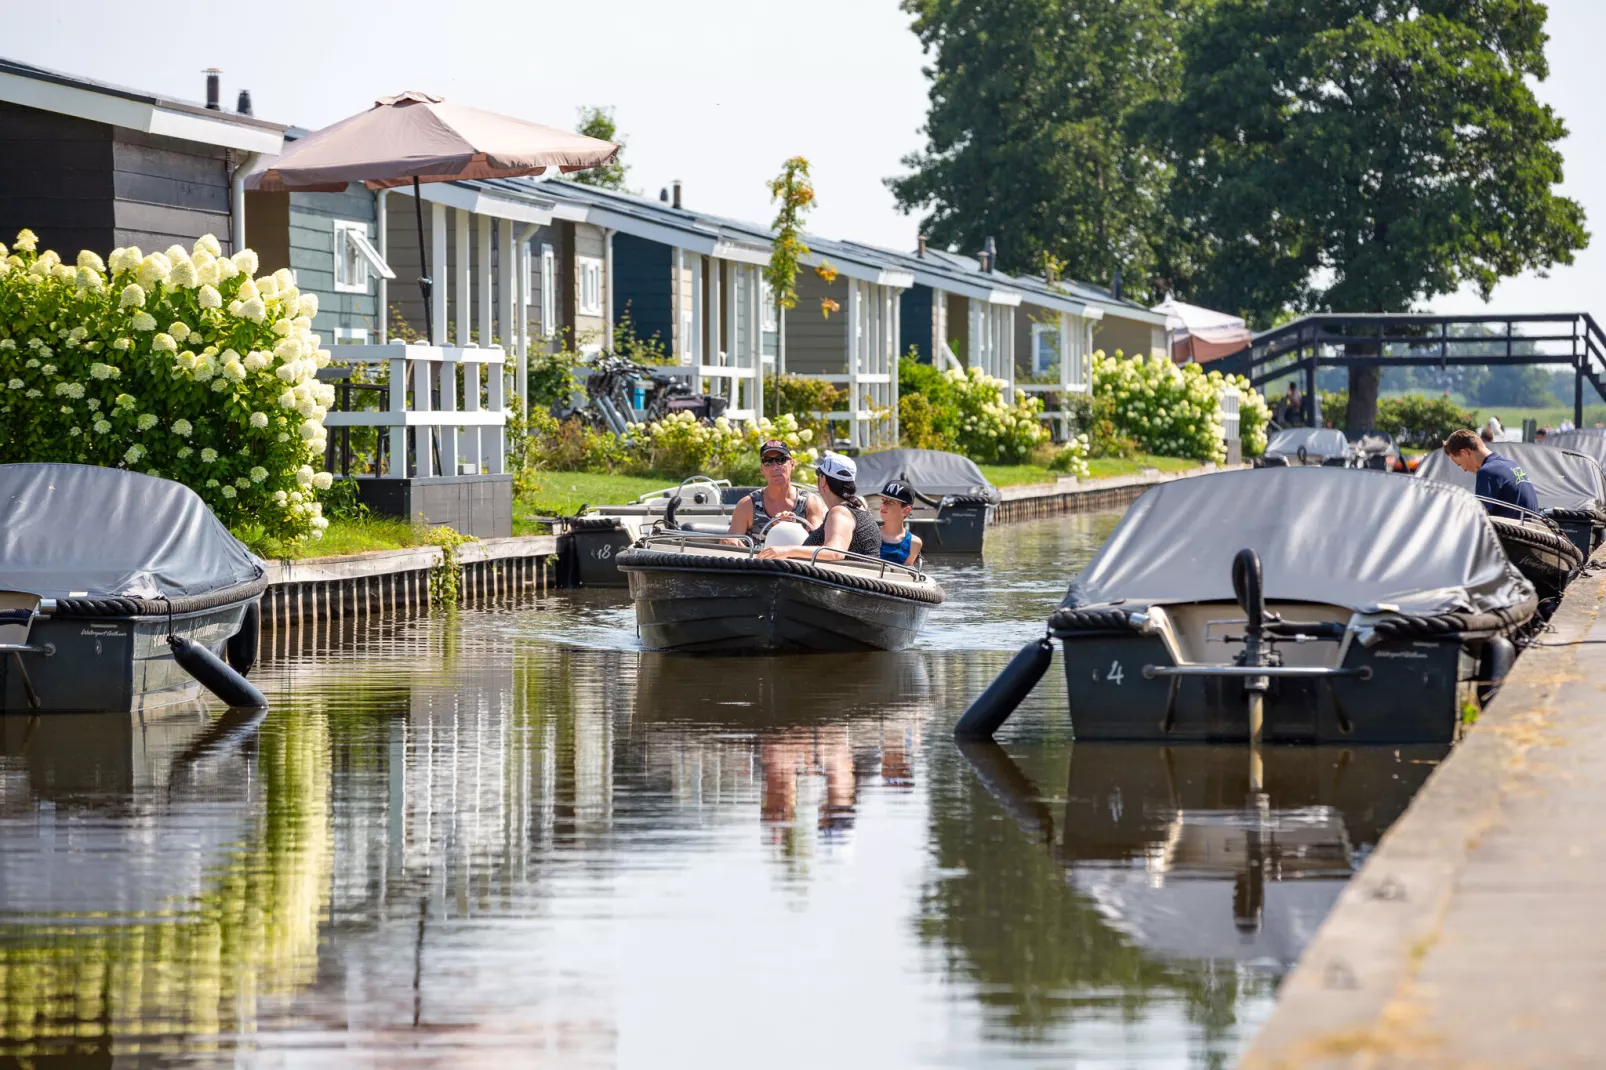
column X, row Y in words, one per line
column 563, row 493
column 1014, row 475
column 1511, row 416
column 345, row 537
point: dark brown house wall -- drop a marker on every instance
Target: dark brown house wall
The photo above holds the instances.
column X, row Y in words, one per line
column 168, row 190
column 56, row 180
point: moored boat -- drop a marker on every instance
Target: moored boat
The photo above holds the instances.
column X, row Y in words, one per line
column 1311, row 606
column 590, row 541
column 1306, row 446
column 954, row 501
column 98, row 567
column 705, row 594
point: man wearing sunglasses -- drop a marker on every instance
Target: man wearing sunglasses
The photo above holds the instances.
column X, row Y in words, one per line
column 777, row 499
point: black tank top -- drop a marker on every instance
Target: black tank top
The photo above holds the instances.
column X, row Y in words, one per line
column 866, row 533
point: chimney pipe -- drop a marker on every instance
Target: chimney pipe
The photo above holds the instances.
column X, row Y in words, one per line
column 211, row 89
column 663, row 194
column 921, row 251
column 675, row 186
column 1115, row 284
column 989, row 254
column 243, row 105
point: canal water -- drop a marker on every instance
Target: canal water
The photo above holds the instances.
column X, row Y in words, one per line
column 509, row 837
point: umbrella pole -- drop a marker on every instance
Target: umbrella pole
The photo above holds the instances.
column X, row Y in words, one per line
column 425, row 283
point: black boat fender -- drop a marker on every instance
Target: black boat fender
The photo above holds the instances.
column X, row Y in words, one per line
column 993, row 707
column 1499, row 654
column 214, row 675
column 242, row 645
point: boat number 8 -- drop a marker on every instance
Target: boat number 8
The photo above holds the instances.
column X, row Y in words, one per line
column 1115, row 674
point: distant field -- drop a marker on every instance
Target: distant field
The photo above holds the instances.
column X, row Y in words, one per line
column 1512, row 417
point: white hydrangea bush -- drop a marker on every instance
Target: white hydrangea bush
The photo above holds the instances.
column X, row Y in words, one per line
column 992, row 429
column 178, row 364
column 1175, row 410
column 680, row 445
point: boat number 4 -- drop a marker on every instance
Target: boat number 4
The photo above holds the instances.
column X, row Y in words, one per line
column 1114, row 676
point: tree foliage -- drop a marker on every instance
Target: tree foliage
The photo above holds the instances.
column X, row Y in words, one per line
column 1027, row 134
column 599, row 123
column 794, row 195
column 1362, row 155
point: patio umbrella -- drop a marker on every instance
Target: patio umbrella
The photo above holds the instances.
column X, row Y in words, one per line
column 419, row 137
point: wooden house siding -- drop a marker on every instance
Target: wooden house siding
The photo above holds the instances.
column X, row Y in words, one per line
column 816, row 345
column 958, row 321
column 168, row 191
column 1133, row 338
column 588, row 241
column 311, row 248
column 915, row 322
column 56, row 180
column 642, row 279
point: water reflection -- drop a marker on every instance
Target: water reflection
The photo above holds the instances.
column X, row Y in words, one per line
column 456, row 840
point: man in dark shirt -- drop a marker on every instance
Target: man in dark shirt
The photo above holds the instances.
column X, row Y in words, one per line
column 1497, row 478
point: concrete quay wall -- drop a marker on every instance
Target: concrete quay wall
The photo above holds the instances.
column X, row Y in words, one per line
column 1474, row 935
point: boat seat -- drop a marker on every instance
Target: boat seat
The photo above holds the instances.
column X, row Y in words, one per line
column 704, row 528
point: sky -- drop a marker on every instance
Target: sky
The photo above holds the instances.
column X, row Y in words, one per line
column 716, row 93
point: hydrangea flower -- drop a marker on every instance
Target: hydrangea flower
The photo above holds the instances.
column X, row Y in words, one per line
column 134, row 453
column 102, row 426
column 208, row 297
column 254, row 310
column 259, row 419
column 208, row 243
column 229, row 492
column 163, row 343
column 27, row 241
column 185, row 275
column 304, row 475
column 133, row 296
column 208, row 455
column 183, row 427
column 323, row 480
column 144, row 321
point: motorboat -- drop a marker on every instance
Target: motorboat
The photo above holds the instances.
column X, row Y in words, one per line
column 1591, row 442
column 1376, row 450
column 98, row 568
column 703, row 593
column 1551, row 547
column 954, row 501
column 590, row 541
column 1334, row 605
column 1306, row 446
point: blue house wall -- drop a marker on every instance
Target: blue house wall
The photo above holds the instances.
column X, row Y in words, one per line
column 312, row 257
column 642, row 272
column 914, row 322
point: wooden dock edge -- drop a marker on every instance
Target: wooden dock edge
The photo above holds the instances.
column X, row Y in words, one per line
column 1037, row 500
column 387, row 581
column 1364, row 993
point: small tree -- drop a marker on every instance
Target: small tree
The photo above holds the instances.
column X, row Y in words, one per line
column 598, row 122
column 792, row 189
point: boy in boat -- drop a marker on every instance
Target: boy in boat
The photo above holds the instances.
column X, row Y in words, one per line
column 1498, row 478
column 898, row 543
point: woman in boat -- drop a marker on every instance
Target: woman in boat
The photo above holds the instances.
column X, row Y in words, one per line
column 848, row 524
column 898, row 544
column 777, row 500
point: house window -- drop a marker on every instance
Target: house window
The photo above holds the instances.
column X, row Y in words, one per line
column 356, row 259
column 769, row 320
column 351, row 336
column 549, row 292
column 1045, row 347
column 590, row 285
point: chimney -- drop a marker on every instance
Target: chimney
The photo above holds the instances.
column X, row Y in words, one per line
column 243, row 105
column 921, row 251
column 989, row 254
column 675, row 186
column 663, row 194
column 211, row 88
column 1115, row 284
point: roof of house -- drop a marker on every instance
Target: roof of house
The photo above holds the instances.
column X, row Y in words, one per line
column 137, row 109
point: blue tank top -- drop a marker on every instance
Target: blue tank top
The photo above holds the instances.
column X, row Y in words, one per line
column 897, row 552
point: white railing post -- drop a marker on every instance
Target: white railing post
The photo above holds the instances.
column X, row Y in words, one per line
column 437, row 268
column 497, row 402
column 423, row 401
column 398, row 430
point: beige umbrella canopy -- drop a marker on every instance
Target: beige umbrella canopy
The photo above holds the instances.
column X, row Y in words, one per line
column 418, row 137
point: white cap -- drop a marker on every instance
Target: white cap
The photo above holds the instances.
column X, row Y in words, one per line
column 837, row 467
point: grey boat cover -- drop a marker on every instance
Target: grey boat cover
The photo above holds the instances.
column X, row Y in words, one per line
column 1319, row 442
column 1372, row 443
column 1589, row 443
column 1341, row 536
column 74, row 530
column 1563, row 479
column 931, row 472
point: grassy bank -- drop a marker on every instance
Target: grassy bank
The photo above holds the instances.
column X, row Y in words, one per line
column 1014, row 475
column 345, row 537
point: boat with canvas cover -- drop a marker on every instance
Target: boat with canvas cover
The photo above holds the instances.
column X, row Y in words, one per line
column 954, row 501
column 1293, row 605
column 591, row 540
column 98, row 568
column 1549, row 548
column 702, row 593
column 1306, row 446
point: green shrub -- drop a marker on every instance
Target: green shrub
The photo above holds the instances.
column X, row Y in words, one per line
column 679, row 446
column 176, row 364
column 1413, row 419
column 1173, row 410
column 966, row 412
column 801, row 397
column 1103, row 439
column 1072, row 459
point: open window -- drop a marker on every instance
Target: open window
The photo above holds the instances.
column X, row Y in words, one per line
column 590, row 285
column 356, row 259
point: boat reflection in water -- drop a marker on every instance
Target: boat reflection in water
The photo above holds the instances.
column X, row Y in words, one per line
column 1178, row 850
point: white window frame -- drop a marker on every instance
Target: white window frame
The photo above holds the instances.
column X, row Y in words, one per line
column 356, row 261
column 769, row 321
column 350, row 336
column 549, row 291
column 590, row 271
column 1040, row 331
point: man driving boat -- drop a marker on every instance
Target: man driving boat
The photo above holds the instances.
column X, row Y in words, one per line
column 777, row 500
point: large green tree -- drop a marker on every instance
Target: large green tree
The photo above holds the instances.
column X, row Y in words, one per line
column 599, row 123
column 1028, row 137
column 1364, row 155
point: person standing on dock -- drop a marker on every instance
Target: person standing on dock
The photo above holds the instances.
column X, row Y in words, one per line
column 1498, row 480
